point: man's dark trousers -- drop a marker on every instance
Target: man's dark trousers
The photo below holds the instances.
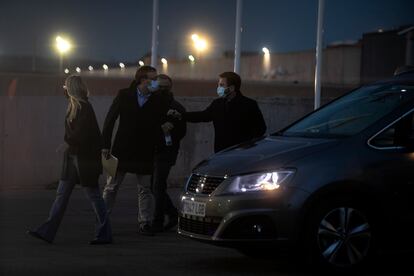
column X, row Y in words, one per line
column 163, row 204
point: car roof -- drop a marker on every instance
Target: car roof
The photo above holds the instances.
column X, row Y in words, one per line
column 403, row 77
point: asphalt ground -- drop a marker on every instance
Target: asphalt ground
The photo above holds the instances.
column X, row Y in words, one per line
column 130, row 254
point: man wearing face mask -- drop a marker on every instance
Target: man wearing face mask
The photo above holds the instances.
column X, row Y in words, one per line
column 235, row 117
column 140, row 114
column 165, row 157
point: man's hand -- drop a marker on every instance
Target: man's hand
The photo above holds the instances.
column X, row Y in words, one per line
column 174, row 113
column 105, row 153
column 167, row 127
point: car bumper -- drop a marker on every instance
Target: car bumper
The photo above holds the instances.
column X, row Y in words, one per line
column 270, row 216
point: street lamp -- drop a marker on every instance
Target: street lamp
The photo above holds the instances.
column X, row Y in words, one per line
column 199, row 43
column 63, row 46
column 191, row 58
column 78, row 69
column 67, row 71
column 164, row 65
column 141, row 63
column 266, row 61
column 105, row 67
column 90, row 68
column 194, row 37
column 121, row 65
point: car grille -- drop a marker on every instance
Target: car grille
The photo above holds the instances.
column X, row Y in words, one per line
column 202, row 226
column 203, row 184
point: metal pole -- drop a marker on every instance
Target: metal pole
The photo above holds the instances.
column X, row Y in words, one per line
column 60, row 63
column 239, row 29
column 319, row 41
column 155, row 28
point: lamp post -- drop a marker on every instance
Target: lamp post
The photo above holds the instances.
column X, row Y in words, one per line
column 239, row 29
column 63, row 46
column 199, row 43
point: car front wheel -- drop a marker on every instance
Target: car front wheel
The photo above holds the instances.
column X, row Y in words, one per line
column 341, row 235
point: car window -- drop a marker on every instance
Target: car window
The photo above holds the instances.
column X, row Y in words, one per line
column 398, row 135
column 354, row 112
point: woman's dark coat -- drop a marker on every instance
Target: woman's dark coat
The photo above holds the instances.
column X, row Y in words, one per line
column 84, row 138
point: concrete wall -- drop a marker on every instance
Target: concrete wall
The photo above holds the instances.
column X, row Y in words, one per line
column 341, row 66
column 32, row 126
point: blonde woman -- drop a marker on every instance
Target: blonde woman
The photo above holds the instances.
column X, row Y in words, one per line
column 81, row 164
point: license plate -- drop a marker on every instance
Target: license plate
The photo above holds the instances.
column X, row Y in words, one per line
column 194, row 208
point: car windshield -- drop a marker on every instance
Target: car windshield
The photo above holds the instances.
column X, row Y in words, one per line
column 352, row 113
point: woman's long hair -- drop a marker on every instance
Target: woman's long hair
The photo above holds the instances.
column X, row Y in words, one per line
column 77, row 93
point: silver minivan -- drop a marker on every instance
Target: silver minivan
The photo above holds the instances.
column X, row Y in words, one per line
column 337, row 185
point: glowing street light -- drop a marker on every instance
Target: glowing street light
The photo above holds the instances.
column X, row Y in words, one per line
column 62, row 46
column 164, row 61
column 194, row 37
column 105, row 67
column 90, row 68
column 122, row 65
column 191, row 58
column 266, row 61
column 199, row 43
column 66, row 71
column 141, row 63
column 78, row 69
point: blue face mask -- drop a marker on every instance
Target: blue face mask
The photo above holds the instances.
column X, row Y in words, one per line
column 153, row 86
column 221, row 91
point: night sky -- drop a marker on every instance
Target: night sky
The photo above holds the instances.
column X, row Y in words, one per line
column 121, row 30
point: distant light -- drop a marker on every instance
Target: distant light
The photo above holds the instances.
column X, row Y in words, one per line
column 90, row 68
column 380, row 30
column 403, row 90
column 141, row 63
column 164, row 61
column 105, row 67
column 200, row 44
column 121, row 65
column 265, row 50
column 191, row 58
column 66, row 71
column 78, row 69
column 62, row 45
column 194, row 37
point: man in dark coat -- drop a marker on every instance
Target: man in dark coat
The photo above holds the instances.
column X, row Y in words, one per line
column 165, row 157
column 235, row 117
column 140, row 115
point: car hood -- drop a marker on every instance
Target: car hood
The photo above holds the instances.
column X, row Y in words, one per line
column 269, row 153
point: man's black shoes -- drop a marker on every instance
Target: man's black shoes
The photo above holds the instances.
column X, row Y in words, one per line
column 146, row 230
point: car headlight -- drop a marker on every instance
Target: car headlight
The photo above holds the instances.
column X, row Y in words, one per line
column 259, row 182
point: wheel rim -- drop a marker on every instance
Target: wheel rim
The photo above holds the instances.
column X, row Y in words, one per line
column 344, row 237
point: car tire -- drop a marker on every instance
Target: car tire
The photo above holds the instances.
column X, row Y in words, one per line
column 340, row 234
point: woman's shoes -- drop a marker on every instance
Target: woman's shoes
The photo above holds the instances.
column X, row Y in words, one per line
column 99, row 242
column 37, row 236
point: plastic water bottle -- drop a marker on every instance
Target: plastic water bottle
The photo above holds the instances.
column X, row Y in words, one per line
column 168, row 139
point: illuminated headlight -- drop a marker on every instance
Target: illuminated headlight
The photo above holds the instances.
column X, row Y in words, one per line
column 259, row 182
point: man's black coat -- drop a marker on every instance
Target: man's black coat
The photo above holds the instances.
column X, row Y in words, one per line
column 138, row 132
column 235, row 121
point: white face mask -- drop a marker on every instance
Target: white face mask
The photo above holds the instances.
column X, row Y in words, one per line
column 153, row 86
column 221, row 91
